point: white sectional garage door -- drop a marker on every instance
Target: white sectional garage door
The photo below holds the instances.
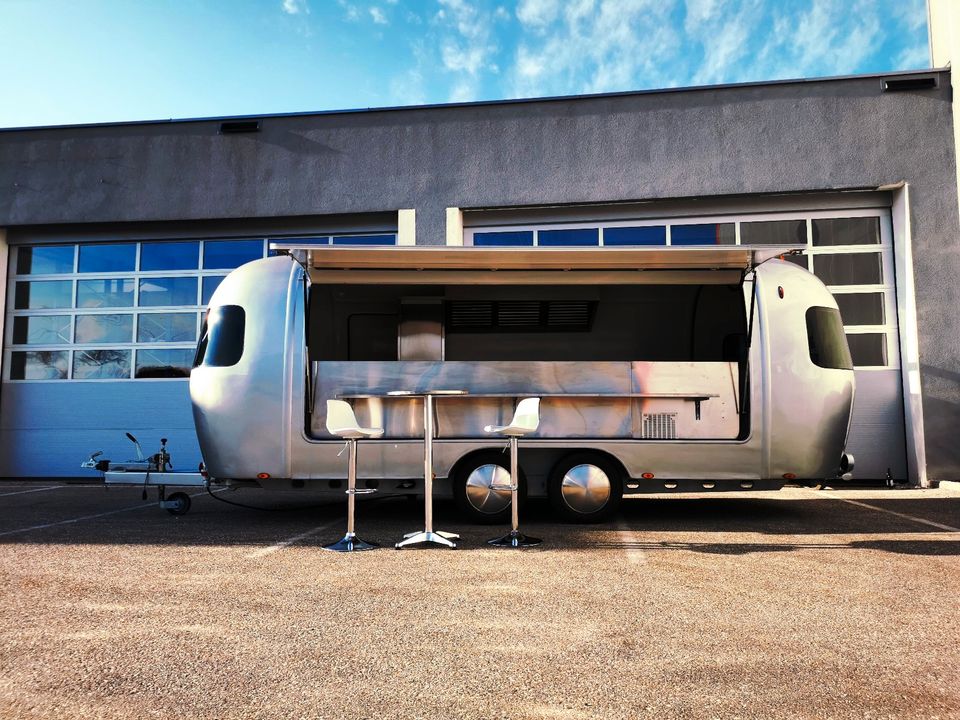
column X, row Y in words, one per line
column 851, row 250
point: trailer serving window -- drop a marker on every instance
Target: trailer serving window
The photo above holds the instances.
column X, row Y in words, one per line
column 221, row 338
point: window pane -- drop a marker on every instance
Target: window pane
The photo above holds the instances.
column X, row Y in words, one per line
column 800, row 260
column 228, row 254
column 568, row 238
column 210, row 283
column 167, row 327
column 163, row 291
column 45, row 260
column 41, row 330
column 774, row 232
column 170, row 256
column 164, row 363
column 43, row 295
column 868, row 348
column 115, row 292
column 366, row 240
column 104, row 329
column 99, row 364
column 861, row 308
column 107, row 258
column 39, row 365
column 650, row 235
column 222, row 344
column 849, row 269
column 825, row 339
column 504, row 239
column 712, row 234
column 846, row 231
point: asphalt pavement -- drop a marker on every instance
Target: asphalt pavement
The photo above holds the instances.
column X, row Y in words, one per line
column 792, row 604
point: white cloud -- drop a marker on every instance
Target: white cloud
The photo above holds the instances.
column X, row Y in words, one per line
column 378, row 17
column 825, row 39
column 596, row 47
column 459, row 58
column 913, row 58
column 296, row 7
column 538, row 13
column 351, row 12
column 463, row 91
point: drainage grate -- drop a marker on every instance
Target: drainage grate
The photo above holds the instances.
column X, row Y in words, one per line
column 659, row 426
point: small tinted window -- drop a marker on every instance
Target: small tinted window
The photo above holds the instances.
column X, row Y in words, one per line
column 828, row 343
column 221, row 344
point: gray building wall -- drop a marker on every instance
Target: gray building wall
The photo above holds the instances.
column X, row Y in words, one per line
column 736, row 140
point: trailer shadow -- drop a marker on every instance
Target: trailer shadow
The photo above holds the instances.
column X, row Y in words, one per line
column 714, row 525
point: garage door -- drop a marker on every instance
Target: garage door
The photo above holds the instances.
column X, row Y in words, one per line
column 850, row 250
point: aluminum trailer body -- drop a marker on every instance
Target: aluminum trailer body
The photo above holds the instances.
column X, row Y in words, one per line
column 771, row 406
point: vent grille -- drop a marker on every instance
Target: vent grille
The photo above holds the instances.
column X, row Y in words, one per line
column 659, row 426
column 568, row 313
column 519, row 316
column 924, row 82
column 471, row 315
column 232, row 127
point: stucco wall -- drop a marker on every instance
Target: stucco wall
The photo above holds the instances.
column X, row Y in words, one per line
column 771, row 138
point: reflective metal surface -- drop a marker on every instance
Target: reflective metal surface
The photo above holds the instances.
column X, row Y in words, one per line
column 481, row 493
column 585, row 488
column 350, row 543
column 515, row 539
column 426, row 539
column 597, row 399
column 798, row 423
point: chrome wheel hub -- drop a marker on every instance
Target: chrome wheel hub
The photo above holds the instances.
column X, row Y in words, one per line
column 585, row 488
column 480, row 492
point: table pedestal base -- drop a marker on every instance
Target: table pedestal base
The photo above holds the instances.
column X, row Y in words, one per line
column 514, row 539
column 350, row 543
column 425, row 537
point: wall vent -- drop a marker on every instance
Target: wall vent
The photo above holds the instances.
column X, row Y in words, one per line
column 904, row 84
column 519, row 316
column 233, row 127
column 659, row 426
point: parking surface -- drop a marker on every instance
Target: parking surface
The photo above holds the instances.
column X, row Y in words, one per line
column 800, row 604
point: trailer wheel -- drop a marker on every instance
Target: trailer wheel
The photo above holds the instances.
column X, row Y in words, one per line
column 178, row 504
column 585, row 487
column 472, row 492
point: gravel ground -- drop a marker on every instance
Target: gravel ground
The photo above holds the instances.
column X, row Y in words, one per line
column 798, row 604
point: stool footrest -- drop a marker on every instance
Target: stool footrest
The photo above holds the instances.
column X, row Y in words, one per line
column 505, row 487
column 361, row 491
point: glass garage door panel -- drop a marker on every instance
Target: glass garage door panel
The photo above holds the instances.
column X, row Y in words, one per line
column 853, row 256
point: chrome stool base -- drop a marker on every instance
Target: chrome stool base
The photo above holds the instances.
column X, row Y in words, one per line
column 351, row 543
column 424, row 538
column 514, row 539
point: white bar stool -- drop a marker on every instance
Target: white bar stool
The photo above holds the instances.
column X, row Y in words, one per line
column 526, row 419
column 342, row 421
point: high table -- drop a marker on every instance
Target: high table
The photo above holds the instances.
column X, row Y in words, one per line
column 427, row 536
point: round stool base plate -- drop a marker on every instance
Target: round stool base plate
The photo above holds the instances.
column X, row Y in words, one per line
column 514, row 539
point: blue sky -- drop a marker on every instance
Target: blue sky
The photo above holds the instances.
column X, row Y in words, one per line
column 80, row 61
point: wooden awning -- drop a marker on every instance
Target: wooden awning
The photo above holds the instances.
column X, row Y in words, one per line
column 529, row 265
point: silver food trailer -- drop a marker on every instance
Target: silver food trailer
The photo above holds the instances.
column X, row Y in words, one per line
column 659, row 369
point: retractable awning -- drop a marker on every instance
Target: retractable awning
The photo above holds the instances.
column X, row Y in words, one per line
column 537, row 265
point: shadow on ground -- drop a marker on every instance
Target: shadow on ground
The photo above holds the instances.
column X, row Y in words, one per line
column 713, row 525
